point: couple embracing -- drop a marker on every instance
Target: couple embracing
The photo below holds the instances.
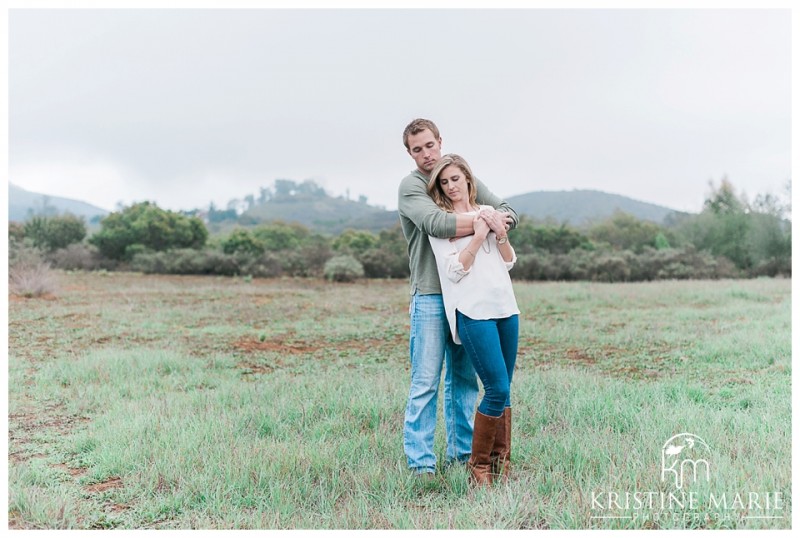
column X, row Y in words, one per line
column 463, row 311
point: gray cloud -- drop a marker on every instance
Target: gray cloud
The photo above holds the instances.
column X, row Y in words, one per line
column 197, row 105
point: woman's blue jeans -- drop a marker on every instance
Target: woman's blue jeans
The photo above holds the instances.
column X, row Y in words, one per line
column 491, row 345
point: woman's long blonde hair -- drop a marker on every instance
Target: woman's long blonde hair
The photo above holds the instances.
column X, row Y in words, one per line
column 435, row 190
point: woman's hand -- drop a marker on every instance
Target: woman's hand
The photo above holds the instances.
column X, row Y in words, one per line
column 467, row 255
column 481, row 227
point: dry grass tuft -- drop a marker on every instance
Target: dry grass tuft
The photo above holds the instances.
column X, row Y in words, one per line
column 30, row 276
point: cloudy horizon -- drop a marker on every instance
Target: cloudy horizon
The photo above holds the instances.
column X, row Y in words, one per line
column 186, row 107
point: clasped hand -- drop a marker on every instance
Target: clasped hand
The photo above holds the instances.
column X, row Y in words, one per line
column 491, row 219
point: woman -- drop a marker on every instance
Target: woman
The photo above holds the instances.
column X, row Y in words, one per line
column 481, row 308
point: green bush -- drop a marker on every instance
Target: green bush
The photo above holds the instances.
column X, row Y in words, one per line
column 388, row 258
column 268, row 265
column 52, row 233
column 185, row 262
column 623, row 266
column 144, row 226
column 385, row 263
column 355, row 242
column 307, row 260
column 241, row 241
column 529, row 237
column 343, row 269
column 80, row 256
column 206, row 262
column 16, row 231
column 278, row 236
column 623, row 231
column 756, row 236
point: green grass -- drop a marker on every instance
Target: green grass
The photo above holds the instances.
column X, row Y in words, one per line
column 179, row 403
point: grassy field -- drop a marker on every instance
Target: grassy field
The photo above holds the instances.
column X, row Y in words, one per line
column 152, row 402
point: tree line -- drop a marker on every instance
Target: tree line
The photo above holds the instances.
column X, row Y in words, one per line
column 729, row 238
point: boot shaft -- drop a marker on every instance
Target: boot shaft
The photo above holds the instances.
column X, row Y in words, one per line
column 483, row 438
column 501, row 451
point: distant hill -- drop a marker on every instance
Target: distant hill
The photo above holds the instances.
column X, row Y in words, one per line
column 324, row 213
column 22, row 204
column 578, row 207
column 312, row 207
column 582, row 207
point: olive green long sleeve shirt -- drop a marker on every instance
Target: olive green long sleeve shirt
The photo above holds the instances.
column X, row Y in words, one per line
column 421, row 217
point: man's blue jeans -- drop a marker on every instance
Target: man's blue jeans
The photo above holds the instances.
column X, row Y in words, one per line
column 492, row 346
column 431, row 345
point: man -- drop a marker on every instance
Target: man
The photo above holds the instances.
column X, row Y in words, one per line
column 430, row 342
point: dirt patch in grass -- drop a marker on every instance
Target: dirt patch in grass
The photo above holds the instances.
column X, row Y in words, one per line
column 737, row 381
column 105, row 485
column 13, row 298
column 23, row 427
column 636, row 372
column 288, row 347
column 19, row 457
column 580, row 355
column 369, row 344
column 274, row 346
column 284, row 348
column 51, row 418
column 73, row 471
column 250, row 368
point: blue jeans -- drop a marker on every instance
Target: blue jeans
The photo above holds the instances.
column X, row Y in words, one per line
column 431, row 345
column 492, row 346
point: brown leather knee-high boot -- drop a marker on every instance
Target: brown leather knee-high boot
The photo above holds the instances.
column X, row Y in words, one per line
column 501, row 451
column 480, row 462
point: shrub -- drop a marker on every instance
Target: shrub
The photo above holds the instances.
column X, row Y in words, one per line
column 661, row 242
column 144, row 226
column 267, row 265
column 52, row 233
column 277, row 236
column 308, row 260
column 355, row 242
column 385, row 263
column 242, row 241
column 623, row 266
column 623, row 231
column 773, row 267
column 29, row 275
column 80, row 257
column 16, row 231
column 389, row 257
column 184, row 262
column 206, row 262
column 611, row 268
column 529, row 237
column 343, row 269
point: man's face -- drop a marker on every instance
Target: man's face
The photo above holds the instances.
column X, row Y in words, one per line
column 425, row 149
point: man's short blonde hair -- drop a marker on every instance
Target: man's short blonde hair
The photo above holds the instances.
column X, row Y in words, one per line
column 417, row 126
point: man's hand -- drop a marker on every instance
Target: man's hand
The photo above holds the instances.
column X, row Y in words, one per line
column 498, row 221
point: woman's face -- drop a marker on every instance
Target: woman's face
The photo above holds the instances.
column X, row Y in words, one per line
column 454, row 183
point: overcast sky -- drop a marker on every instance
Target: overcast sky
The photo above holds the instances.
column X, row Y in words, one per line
column 185, row 107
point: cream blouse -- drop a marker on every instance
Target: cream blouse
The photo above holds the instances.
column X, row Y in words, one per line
column 484, row 291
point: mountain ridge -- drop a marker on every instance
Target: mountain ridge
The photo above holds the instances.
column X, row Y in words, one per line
column 23, row 204
column 321, row 212
column 581, row 207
